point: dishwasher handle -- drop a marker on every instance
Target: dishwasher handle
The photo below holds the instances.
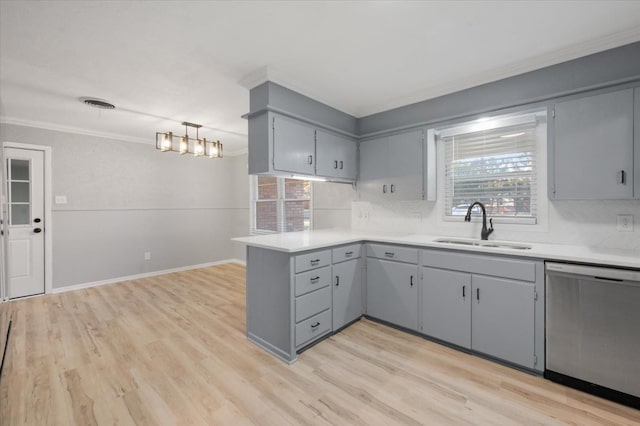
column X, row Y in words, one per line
column 596, row 272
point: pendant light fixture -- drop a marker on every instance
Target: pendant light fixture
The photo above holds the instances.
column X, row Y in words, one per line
column 198, row 147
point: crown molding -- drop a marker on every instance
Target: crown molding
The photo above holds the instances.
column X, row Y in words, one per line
column 72, row 129
column 86, row 132
column 555, row 57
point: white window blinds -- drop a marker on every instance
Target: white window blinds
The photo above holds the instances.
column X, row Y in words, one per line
column 493, row 162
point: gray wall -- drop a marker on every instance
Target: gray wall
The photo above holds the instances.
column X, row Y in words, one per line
column 602, row 69
column 125, row 199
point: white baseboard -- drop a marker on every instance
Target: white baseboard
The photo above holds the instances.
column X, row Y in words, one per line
column 144, row 275
column 238, row 261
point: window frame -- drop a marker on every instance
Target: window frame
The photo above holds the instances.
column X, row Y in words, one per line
column 280, row 201
column 496, row 120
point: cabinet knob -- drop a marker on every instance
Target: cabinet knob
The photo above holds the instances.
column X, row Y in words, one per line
column 37, row 230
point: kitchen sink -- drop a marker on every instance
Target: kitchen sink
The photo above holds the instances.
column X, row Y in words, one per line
column 483, row 243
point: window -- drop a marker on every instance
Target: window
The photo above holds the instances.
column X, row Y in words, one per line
column 280, row 204
column 493, row 161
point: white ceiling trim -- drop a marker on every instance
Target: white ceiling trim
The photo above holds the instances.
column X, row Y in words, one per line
column 93, row 133
column 73, row 130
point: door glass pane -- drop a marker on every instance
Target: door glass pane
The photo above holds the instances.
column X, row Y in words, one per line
column 20, row 214
column 19, row 169
column 19, row 192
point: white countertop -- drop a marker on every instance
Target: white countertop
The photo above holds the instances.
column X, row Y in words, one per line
column 292, row 242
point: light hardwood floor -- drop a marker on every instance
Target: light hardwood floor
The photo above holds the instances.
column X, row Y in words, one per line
column 172, row 350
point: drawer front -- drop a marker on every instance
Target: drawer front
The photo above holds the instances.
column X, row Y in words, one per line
column 315, row 327
column 317, row 259
column 341, row 254
column 313, row 280
column 517, row 269
column 313, row 303
column 388, row 252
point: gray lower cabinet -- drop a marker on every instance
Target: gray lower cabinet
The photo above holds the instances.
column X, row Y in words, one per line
column 490, row 304
column 446, row 310
column 347, row 292
column 502, row 319
column 592, row 147
column 392, row 292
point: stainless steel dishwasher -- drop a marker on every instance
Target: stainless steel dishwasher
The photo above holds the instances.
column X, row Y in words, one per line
column 593, row 330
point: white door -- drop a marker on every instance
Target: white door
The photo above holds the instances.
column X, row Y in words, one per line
column 25, row 222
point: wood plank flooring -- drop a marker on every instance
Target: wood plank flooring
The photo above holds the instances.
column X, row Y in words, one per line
column 172, row 350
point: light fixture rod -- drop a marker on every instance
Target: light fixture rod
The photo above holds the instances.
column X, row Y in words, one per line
column 186, row 123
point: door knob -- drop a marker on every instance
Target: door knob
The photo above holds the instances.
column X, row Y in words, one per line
column 37, row 230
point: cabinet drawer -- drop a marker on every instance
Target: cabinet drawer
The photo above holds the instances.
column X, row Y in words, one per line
column 317, row 259
column 341, row 254
column 309, row 330
column 388, row 252
column 517, row 269
column 312, row 280
column 313, row 303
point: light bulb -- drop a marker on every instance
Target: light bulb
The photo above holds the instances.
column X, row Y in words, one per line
column 166, row 141
column 199, row 148
column 184, row 144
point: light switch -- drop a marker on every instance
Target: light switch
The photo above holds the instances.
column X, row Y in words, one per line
column 61, row 199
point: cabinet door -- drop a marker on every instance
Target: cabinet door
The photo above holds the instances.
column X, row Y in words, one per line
column 347, row 292
column 392, row 292
column 404, row 172
column 373, row 159
column 446, row 307
column 336, row 156
column 593, row 147
column 502, row 319
column 293, row 146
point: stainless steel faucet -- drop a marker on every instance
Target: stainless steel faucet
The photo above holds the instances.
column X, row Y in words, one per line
column 484, row 234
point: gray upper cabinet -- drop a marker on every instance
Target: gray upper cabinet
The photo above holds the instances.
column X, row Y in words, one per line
column 392, row 292
column 336, row 156
column 391, row 167
column 284, row 146
column 636, row 143
column 293, row 146
column 593, row 147
column 446, row 310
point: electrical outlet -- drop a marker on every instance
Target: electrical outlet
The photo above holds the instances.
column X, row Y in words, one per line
column 147, row 255
column 625, row 223
column 61, row 199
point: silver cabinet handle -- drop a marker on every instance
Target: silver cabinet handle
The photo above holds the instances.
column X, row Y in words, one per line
column 389, row 253
column 314, row 326
column 341, row 165
column 314, row 280
column 314, row 262
column 335, row 164
column 478, row 294
column 348, row 254
column 337, row 280
column 622, row 177
column 464, row 287
column 384, row 189
column 393, row 188
column 310, row 159
column 411, row 280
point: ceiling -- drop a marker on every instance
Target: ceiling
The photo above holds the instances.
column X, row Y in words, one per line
column 163, row 62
